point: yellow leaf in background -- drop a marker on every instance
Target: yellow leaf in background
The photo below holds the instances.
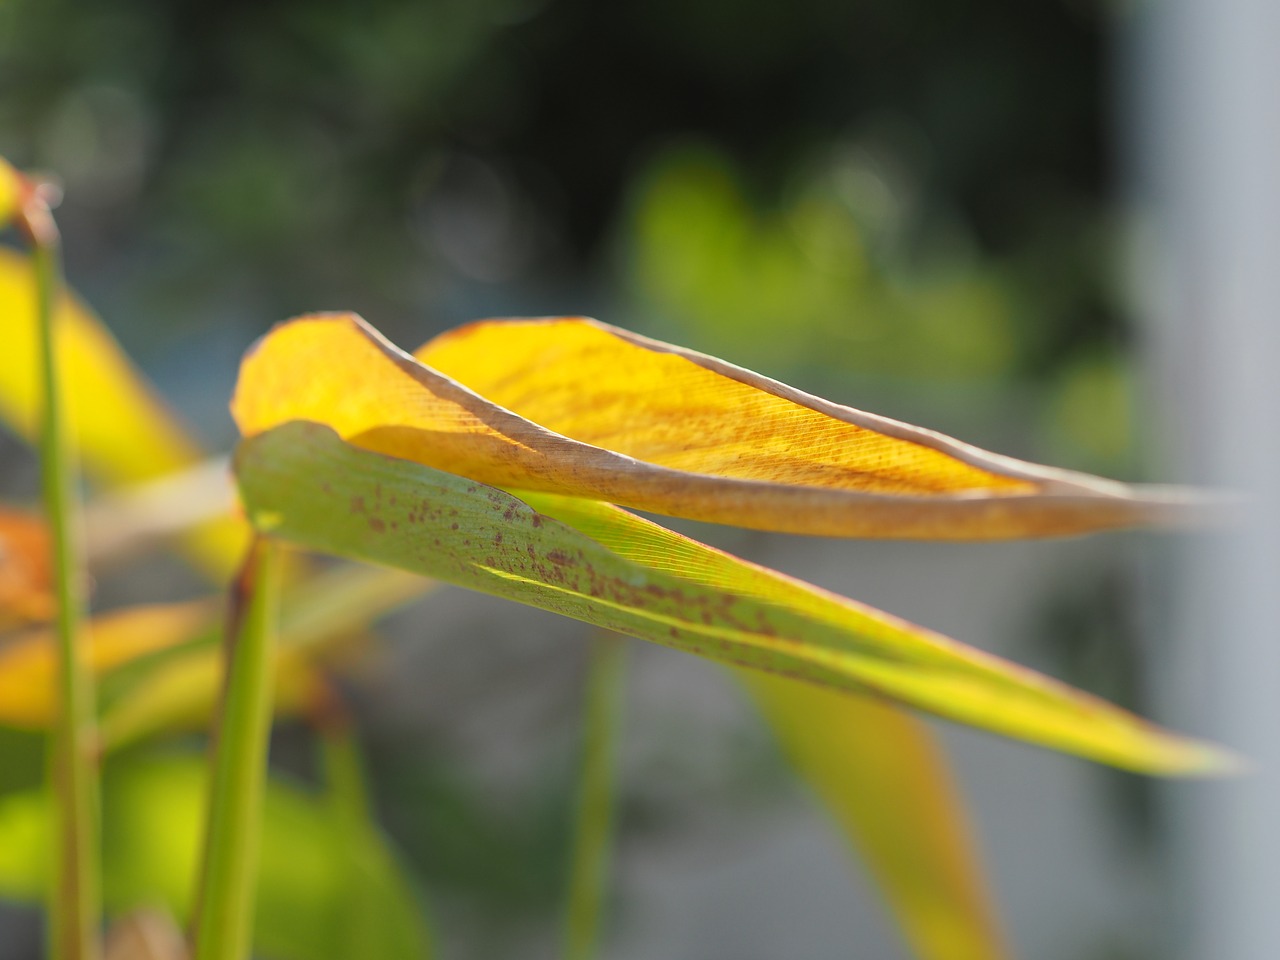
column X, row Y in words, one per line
column 885, row 781
column 181, row 694
column 319, row 614
column 28, row 662
column 575, row 407
column 176, row 694
column 124, row 433
column 26, row 575
column 10, row 192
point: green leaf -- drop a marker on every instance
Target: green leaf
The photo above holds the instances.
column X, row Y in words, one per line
column 154, row 816
column 602, row 565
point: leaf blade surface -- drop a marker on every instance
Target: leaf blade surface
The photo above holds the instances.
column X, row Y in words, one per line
column 573, row 407
column 597, row 563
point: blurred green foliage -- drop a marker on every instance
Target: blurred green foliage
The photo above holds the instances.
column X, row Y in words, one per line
column 820, row 279
column 153, row 820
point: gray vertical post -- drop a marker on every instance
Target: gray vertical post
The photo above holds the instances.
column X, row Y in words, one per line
column 1209, row 73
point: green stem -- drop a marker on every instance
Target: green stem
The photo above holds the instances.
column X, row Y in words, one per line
column 367, row 863
column 593, row 826
column 224, row 912
column 344, row 776
column 75, row 908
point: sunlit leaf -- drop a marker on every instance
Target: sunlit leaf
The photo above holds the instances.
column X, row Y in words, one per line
column 153, row 813
column 26, row 575
column 884, row 780
column 124, row 433
column 28, row 662
column 575, row 407
column 610, row 568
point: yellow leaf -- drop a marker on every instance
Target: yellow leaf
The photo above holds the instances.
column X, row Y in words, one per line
column 574, row 407
column 886, row 783
column 28, row 662
column 180, row 690
column 10, row 192
column 125, row 434
column 26, row 575
column 180, row 694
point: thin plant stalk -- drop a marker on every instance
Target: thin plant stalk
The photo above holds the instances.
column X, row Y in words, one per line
column 593, row 825
column 363, row 935
column 224, row 910
column 343, row 765
column 75, row 907
column 344, row 776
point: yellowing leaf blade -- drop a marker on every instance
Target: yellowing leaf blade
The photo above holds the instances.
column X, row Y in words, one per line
column 573, row 407
column 10, row 192
column 28, row 662
column 124, row 433
column 602, row 565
